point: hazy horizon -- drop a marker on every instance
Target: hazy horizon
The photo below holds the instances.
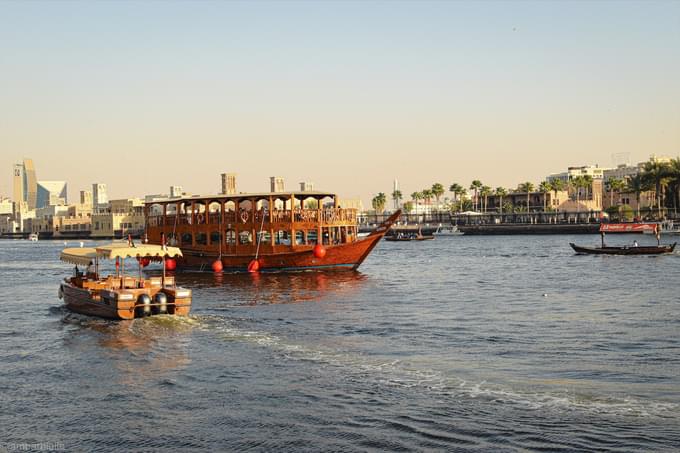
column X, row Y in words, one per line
column 347, row 95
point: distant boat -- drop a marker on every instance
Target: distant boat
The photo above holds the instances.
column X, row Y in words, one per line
column 33, row 237
column 404, row 237
column 624, row 250
column 445, row 231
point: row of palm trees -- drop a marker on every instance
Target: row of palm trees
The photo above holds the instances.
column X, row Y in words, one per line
column 662, row 178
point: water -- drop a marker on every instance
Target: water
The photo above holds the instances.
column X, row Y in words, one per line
column 472, row 344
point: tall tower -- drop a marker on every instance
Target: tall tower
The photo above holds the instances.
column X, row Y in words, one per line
column 276, row 184
column 228, row 183
column 18, row 180
column 99, row 195
column 394, row 189
column 86, row 197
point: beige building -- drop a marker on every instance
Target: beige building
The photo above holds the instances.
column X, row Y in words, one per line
column 228, row 184
column 119, row 218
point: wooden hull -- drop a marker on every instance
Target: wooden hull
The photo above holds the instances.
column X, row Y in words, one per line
column 640, row 250
column 81, row 301
column 348, row 256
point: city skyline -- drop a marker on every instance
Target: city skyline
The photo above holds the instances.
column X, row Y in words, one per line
column 348, row 96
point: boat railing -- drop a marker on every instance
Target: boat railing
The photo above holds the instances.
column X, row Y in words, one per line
column 325, row 216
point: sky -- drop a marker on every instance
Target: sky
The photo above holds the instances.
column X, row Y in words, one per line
column 349, row 95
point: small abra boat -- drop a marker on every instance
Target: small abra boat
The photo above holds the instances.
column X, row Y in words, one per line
column 624, row 250
column 120, row 296
column 405, row 237
column 447, row 231
column 33, row 237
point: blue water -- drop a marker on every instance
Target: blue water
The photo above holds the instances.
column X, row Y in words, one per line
column 498, row 343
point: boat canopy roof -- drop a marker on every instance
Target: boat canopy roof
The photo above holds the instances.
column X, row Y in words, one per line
column 86, row 255
column 299, row 195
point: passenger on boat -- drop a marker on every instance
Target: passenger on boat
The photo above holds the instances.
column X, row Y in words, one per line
column 90, row 272
column 635, row 243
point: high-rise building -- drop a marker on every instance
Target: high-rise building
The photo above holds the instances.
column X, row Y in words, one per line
column 276, row 184
column 228, row 183
column 51, row 193
column 86, row 197
column 99, row 195
column 31, row 184
column 25, row 186
column 18, row 192
column 395, row 188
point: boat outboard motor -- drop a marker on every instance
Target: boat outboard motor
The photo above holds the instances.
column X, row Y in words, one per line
column 162, row 300
column 144, row 305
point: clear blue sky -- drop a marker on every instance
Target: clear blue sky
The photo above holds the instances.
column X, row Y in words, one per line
column 346, row 94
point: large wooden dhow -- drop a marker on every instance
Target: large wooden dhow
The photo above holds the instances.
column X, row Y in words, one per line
column 120, row 296
column 289, row 231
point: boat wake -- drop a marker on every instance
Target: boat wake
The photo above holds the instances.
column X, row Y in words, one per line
column 402, row 374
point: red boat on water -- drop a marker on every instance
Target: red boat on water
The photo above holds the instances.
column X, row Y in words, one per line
column 287, row 231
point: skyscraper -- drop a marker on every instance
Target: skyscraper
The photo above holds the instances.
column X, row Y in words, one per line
column 276, row 184
column 86, row 197
column 25, row 186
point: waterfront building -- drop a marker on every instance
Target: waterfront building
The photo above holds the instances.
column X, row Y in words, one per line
column 99, row 195
column 228, row 184
column 86, row 197
column 51, row 193
column 538, row 201
column 119, row 218
column 6, row 206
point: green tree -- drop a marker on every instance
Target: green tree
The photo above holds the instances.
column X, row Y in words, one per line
column 501, row 192
column 484, row 192
column 674, row 175
column 408, row 207
column 558, row 185
column 657, row 174
column 475, row 186
column 545, row 188
column 378, row 202
column 638, row 184
column 527, row 187
column 427, row 195
column 396, row 196
column 577, row 183
column 437, row 191
column 614, row 185
column 416, row 196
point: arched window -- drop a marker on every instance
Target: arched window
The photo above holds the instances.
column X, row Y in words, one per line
column 282, row 237
column 186, row 239
column 230, row 237
column 264, row 237
column 214, row 237
column 201, row 238
column 312, row 237
column 299, row 237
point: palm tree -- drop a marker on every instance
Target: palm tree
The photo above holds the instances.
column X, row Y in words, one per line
column 674, row 174
column 576, row 182
column 378, row 202
column 545, row 188
column 408, row 207
column 614, row 185
column 501, row 192
column 476, row 185
column 657, row 173
column 437, row 190
column 484, row 192
column 455, row 189
column 527, row 187
column 427, row 195
column 396, row 196
column 415, row 196
column 638, row 184
column 558, row 185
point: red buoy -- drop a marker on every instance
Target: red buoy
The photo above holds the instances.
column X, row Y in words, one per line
column 254, row 266
column 217, row 266
column 319, row 251
column 170, row 264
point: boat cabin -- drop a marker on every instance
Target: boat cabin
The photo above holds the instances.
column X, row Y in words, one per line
column 240, row 224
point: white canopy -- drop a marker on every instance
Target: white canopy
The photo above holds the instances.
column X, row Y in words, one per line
column 86, row 255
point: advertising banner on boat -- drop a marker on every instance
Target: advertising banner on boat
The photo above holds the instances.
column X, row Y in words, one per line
column 628, row 227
